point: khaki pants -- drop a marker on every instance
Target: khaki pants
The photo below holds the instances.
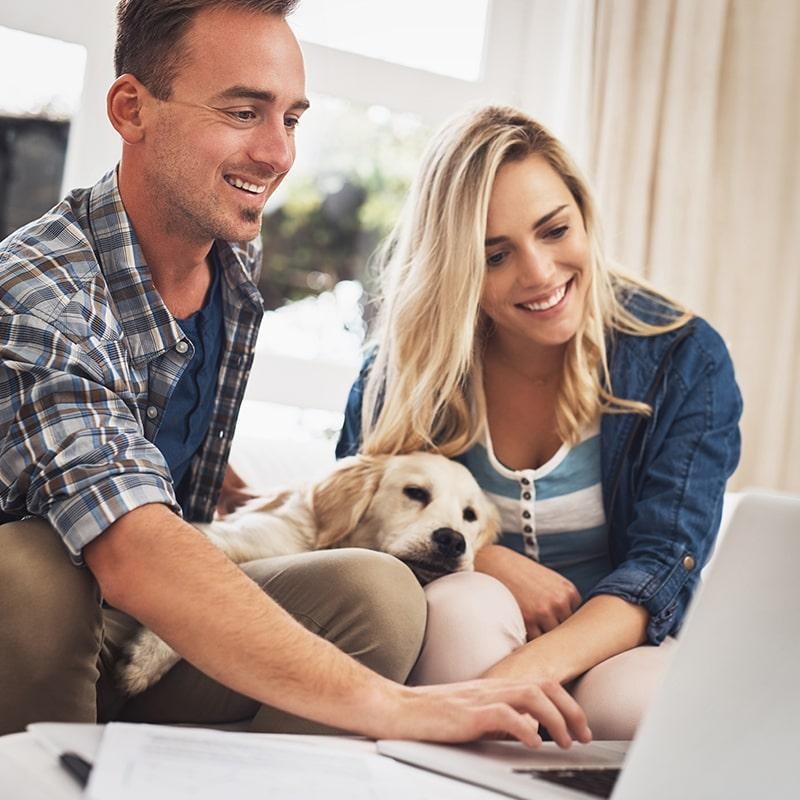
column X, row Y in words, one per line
column 58, row 647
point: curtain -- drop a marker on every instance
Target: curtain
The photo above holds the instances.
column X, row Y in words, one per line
column 695, row 155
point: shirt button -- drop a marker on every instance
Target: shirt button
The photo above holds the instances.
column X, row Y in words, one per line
column 688, row 563
column 528, row 529
column 525, row 482
column 526, row 514
column 152, row 412
column 182, row 347
column 526, row 495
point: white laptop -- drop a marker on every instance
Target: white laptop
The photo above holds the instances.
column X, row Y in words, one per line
column 725, row 722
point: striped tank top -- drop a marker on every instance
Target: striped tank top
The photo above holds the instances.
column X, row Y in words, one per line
column 553, row 514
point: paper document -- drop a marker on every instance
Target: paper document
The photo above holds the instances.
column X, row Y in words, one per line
column 165, row 763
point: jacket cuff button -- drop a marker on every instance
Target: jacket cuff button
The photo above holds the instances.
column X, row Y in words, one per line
column 688, row 563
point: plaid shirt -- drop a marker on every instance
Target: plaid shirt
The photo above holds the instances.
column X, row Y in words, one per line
column 89, row 356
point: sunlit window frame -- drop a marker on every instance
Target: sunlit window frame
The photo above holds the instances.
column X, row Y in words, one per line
column 536, row 56
column 371, row 81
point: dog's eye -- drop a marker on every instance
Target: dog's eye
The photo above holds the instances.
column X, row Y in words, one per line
column 469, row 514
column 418, row 494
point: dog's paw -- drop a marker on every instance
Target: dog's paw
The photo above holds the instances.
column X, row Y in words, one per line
column 145, row 661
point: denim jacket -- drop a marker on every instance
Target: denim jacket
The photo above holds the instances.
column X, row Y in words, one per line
column 664, row 475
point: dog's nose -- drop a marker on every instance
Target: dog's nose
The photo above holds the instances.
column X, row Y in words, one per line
column 450, row 543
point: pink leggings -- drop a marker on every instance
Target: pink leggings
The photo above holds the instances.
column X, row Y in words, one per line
column 474, row 622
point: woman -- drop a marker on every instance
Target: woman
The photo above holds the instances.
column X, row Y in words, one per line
column 599, row 415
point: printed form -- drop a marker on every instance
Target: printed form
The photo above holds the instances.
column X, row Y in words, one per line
column 165, row 763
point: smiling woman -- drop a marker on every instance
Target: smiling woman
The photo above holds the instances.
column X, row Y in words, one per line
column 576, row 395
column 536, row 281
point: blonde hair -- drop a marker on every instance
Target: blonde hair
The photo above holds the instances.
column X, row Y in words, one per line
column 424, row 390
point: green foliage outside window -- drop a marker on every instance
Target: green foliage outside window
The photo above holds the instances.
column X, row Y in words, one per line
column 332, row 220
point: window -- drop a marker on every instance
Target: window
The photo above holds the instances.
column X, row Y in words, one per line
column 445, row 37
column 344, row 193
column 381, row 77
column 34, row 61
column 35, row 111
column 342, row 197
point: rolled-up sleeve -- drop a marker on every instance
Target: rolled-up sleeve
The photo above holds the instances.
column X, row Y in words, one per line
column 690, row 449
column 72, row 448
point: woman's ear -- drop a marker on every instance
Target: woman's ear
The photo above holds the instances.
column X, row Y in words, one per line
column 339, row 501
column 124, row 105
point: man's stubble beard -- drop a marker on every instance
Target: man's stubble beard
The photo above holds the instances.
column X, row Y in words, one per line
column 202, row 221
column 191, row 213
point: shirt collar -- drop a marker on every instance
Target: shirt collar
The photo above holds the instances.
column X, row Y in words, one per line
column 147, row 323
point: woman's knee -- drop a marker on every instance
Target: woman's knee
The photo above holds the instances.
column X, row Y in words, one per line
column 617, row 692
column 473, row 622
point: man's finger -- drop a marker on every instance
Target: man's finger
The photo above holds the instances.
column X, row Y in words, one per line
column 502, row 718
column 536, row 702
column 573, row 714
column 540, row 705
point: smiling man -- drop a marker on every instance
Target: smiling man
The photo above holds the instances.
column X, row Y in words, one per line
column 128, row 316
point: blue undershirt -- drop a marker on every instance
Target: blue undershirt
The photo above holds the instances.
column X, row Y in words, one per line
column 188, row 413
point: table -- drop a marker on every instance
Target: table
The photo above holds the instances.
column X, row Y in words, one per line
column 29, row 767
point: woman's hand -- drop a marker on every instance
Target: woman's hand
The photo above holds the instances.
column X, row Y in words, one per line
column 545, row 598
column 602, row 627
column 234, row 493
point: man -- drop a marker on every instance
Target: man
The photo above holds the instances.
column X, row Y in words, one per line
column 127, row 321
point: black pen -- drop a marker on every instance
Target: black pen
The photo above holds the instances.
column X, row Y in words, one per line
column 78, row 767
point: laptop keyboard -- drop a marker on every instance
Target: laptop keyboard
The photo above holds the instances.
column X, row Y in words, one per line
column 597, row 782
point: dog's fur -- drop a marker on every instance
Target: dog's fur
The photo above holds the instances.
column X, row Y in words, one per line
column 424, row 509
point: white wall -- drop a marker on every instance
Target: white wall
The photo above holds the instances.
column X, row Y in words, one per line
column 555, row 83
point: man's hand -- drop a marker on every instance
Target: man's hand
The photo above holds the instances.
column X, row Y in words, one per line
column 462, row 712
column 160, row 570
column 234, row 493
column 545, row 598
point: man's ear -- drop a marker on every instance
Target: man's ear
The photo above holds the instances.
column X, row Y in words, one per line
column 124, row 107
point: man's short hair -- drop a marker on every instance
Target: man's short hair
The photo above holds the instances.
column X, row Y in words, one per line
column 150, row 33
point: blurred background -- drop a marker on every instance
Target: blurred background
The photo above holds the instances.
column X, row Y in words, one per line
column 685, row 115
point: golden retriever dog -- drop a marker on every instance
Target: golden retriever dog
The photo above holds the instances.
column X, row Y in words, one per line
column 422, row 508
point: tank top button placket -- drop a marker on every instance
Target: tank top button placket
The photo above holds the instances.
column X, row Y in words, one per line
column 527, row 515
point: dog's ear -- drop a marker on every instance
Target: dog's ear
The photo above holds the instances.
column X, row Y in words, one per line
column 491, row 526
column 340, row 500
